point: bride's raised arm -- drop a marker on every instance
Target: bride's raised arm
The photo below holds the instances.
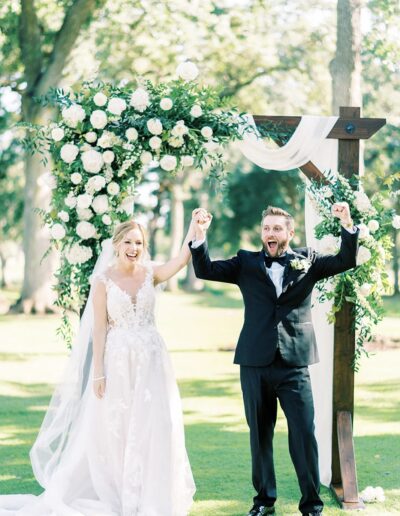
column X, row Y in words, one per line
column 167, row 270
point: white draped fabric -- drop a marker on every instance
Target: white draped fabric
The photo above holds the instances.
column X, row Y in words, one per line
column 308, row 143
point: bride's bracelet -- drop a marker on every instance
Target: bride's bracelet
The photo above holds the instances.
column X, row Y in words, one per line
column 99, row 378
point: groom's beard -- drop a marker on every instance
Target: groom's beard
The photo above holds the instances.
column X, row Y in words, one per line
column 281, row 248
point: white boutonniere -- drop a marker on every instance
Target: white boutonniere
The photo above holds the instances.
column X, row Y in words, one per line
column 300, row 264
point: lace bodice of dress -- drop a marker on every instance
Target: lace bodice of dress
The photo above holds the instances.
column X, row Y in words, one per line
column 125, row 312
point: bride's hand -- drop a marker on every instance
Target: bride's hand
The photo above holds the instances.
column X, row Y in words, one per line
column 99, row 387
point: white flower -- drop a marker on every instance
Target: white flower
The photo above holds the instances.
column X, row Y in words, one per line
column 365, row 289
column 363, row 255
column 98, row 119
column 108, row 156
column 91, row 137
column 196, row 111
column 131, row 134
column 187, row 161
column 113, row 188
column 73, row 114
column 154, row 126
column 84, row 213
column 146, row 157
column 48, row 179
column 76, row 178
column 373, row 225
column 70, row 200
column 106, row 219
column 69, row 152
column 116, row 106
column 108, row 139
column 100, row 99
column 127, row 205
column 187, row 71
column 63, row 215
column 179, row 129
column 85, row 147
column 396, row 222
column 85, row 230
column 207, row 132
column 372, row 494
column 329, row 244
column 363, row 231
column 57, row 134
column 327, row 192
column 79, row 254
column 166, row 104
column 140, row 100
column 100, row 204
column 362, row 202
column 300, row 264
column 84, row 201
column 155, row 142
column 95, row 184
column 210, row 146
column 168, row 162
column 57, row 231
column 176, row 141
column 92, row 161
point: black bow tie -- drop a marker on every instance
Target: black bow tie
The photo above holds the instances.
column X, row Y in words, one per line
column 282, row 260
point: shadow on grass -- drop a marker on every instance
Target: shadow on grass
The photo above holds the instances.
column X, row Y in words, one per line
column 389, row 410
column 217, row 298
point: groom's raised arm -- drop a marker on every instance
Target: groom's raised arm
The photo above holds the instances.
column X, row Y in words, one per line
column 226, row 271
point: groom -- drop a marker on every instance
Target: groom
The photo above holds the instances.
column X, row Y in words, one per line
column 277, row 342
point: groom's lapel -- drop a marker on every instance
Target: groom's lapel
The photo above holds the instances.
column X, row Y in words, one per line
column 290, row 275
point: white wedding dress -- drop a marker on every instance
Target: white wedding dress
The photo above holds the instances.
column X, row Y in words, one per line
column 125, row 454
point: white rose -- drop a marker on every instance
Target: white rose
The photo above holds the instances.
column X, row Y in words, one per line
column 57, row 231
column 140, row 100
column 365, row 289
column 327, row 192
column 113, row 188
column 396, row 222
column 73, row 114
column 116, row 106
column 84, row 201
column 166, row 104
column 155, row 142
column 84, row 213
column 187, row 71
column 106, row 219
column 108, row 156
column 92, row 161
column 91, row 137
column 363, row 231
column 95, row 184
column 107, row 139
column 168, row 162
column 179, row 129
column 127, row 205
column 329, row 244
column 70, row 200
column 78, row 254
column 76, row 178
column 362, row 202
column 98, row 119
column 131, row 134
column 176, row 141
column 85, row 230
column 187, row 161
column 196, row 111
column 207, row 132
column 154, row 126
column 57, row 134
column 363, row 255
column 379, row 494
column 63, row 215
column 100, row 99
column 146, row 157
column 373, row 225
column 100, row 204
column 69, row 152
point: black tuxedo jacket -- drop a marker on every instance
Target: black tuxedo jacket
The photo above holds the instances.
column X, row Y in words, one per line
column 272, row 322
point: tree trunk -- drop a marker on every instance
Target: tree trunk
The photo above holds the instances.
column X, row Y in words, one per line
column 177, row 226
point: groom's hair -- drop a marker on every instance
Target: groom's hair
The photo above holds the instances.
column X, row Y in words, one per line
column 279, row 212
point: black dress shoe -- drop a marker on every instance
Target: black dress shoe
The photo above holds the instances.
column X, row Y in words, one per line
column 261, row 510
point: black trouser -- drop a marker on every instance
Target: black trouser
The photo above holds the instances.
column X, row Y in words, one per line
column 262, row 387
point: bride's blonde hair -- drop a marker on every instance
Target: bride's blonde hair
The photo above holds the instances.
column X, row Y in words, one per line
column 122, row 229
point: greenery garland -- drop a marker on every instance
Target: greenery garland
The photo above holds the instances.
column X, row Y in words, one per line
column 364, row 285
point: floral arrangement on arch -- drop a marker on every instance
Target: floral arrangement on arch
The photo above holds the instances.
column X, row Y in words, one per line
column 364, row 285
column 104, row 137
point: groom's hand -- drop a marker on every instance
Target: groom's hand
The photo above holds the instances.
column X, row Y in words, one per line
column 341, row 210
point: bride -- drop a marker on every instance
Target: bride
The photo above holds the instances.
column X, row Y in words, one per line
column 112, row 441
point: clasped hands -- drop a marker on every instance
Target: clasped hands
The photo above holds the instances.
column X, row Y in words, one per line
column 201, row 220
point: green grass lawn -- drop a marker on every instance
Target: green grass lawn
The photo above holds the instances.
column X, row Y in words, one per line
column 197, row 329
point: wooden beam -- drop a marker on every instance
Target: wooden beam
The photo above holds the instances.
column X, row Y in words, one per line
column 346, row 128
